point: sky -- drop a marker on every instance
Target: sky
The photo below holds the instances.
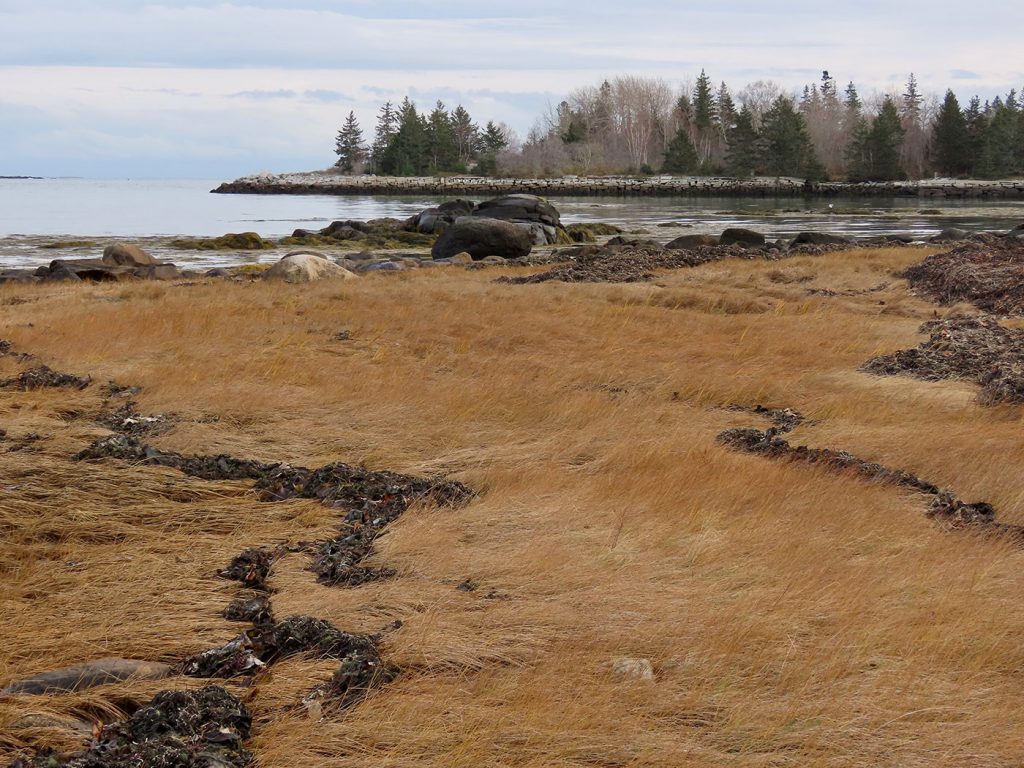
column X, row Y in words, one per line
column 204, row 89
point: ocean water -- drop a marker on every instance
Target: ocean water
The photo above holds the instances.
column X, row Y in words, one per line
column 32, row 210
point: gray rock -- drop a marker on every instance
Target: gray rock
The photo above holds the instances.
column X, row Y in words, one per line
column 384, row 266
column 434, row 221
column 95, row 270
column 61, row 273
column 520, row 208
column 686, row 242
column 950, row 235
column 158, row 272
column 819, row 238
column 481, row 237
column 306, row 267
column 17, row 276
column 89, row 675
column 740, row 236
column 124, row 255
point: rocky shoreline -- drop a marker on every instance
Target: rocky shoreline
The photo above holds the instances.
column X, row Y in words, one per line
column 329, row 183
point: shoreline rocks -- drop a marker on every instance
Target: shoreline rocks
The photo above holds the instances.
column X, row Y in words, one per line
column 328, row 183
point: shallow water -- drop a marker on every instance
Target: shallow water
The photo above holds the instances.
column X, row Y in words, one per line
column 31, row 211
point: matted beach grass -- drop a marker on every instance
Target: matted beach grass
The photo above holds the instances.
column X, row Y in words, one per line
column 791, row 617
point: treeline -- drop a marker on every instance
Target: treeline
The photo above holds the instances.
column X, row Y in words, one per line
column 642, row 125
column 407, row 142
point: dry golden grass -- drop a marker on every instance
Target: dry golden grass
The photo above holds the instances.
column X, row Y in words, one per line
column 793, row 618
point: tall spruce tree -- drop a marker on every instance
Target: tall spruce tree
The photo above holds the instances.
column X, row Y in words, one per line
column 787, row 149
column 951, row 141
column 882, row 144
column 999, row 156
column 742, row 156
column 467, row 135
column 492, row 142
column 348, row 145
column 407, row 153
column 387, row 127
column 442, row 146
column 726, row 114
column 974, row 115
column 705, row 118
column 680, row 155
column 914, row 147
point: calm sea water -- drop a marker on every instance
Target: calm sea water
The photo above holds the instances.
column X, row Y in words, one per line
column 91, row 208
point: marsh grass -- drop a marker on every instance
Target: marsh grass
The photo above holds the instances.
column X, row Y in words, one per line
column 793, row 618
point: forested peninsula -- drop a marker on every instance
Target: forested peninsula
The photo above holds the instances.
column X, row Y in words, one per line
column 638, row 125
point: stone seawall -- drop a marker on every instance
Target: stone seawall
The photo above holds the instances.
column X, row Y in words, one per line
column 655, row 186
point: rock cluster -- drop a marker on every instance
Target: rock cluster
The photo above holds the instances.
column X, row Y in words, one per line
column 326, row 183
column 119, row 262
column 539, row 218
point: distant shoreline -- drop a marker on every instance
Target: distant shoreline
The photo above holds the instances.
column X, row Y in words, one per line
column 327, row 183
column 21, row 178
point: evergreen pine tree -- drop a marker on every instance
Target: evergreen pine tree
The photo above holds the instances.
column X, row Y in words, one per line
column 998, row 156
column 407, row 151
column 786, row 145
column 726, row 114
column 387, row 127
column 348, row 145
column 951, row 142
column 741, row 159
column 976, row 123
column 442, row 146
column 680, row 155
column 705, row 117
column 914, row 146
column 884, row 141
column 492, row 142
column 467, row 135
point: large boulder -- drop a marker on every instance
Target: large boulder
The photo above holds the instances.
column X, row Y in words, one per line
column 124, row 255
column 349, row 229
column 739, row 236
column 819, row 238
column 480, row 237
column 307, row 267
column 434, row 221
column 531, row 212
column 520, row 208
column 688, row 242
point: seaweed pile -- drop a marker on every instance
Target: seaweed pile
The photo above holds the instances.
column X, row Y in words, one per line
column 943, row 506
column 205, row 728
column 987, row 272
column 976, row 349
column 43, row 377
column 635, row 263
